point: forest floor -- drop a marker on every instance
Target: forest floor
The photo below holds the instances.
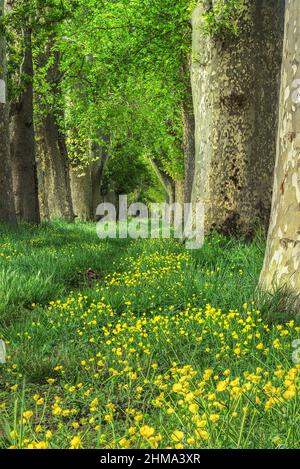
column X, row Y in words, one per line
column 142, row 344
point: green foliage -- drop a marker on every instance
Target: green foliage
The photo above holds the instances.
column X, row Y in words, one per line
column 120, row 75
column 38, row 17
column 222, row 17
column 121, row 68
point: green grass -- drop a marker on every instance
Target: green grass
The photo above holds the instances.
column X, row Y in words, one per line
column 107, row 320
column 39, row 264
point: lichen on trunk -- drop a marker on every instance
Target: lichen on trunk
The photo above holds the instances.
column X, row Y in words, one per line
column 53, row 170
column 7, row 209
column 82, row 195
column 24, row 170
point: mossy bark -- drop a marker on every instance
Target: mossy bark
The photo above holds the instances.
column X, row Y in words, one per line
column 53, row 162
column 81, row 189
column 54, row 187
column 188, row 124
column 282, row 260
column 7, row 208
column 179, row 192
column 24, row 170
column 235, row 81
column 166, row 181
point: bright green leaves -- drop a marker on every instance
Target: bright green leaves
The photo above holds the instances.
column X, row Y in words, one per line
column 121, row 65
column 222, row 17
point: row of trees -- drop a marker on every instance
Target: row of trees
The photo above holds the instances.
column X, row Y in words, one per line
column 181, row 100
column 90, row 111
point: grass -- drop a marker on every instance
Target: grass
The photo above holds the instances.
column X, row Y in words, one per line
column 120, row 343
column 38, row 264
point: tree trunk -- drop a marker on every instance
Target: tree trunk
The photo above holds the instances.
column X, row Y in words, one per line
column 7, row 208
column 180, row 192
column 24, row 169
column 99, row 155
column 53, row 162
column 180, row 198
column 82, row 194
column 282, row 261
column 235, row 82
column 86, row 183
column 43, row 190
column 55, row 190
column 166, row 181
column 188, row 120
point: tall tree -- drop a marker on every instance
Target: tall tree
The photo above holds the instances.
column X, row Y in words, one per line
column 24, row 169
column 188, row 119
column 52, row 153
column 7, row 209
column 235, row 73
column 128, row 59
column 167, row 182
column 282, row 260
column 86, row 181
column 82, row 193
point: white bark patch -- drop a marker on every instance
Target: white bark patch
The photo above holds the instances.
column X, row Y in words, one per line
column 287, row 93
column 290, row 158
column 296, row 86
column 2, row 92
column 284, row 270
column 295, row 69
column 277, row 256
column 295, row 183
column 296, row 263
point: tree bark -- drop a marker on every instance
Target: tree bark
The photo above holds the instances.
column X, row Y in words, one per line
column 82, row 194
column 180, row 198
column 188, row 120
column 24, row 169
column 282, row 260
column 55, row 190
column 166, row 181
column 7, row 208
column 43, row 190
column 235, row 82
column 99, row 155
column 86, row 183
column 180, row 192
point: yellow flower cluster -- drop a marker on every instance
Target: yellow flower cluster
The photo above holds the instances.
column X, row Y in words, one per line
column 168, row 377
column 7, row 251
